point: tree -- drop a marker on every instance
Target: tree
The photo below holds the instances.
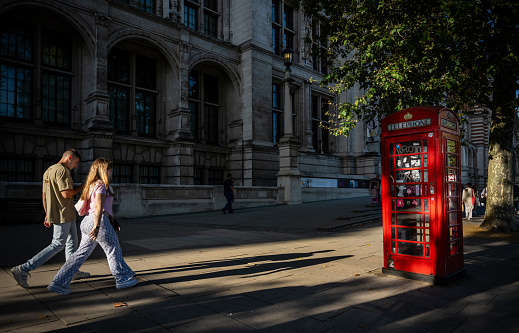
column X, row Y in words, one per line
column 455, row 53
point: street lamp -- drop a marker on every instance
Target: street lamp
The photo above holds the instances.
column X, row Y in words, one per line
column 462, row 132
column 288, row 57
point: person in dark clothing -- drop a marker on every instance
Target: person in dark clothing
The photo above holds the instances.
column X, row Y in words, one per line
column 228, row 191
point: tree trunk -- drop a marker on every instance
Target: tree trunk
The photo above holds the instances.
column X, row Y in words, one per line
column 500, row 213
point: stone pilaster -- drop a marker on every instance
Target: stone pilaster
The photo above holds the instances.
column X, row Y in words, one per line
column 179, row 160
column 308, row 145
column 179, row 119
column 180, row 155
column 288, row 122
column 289, row 177
column 97, row 102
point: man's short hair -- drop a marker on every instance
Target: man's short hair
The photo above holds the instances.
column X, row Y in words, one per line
column 72, row 152
column 229, row 175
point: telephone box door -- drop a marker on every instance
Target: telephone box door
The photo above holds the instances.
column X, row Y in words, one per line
column 410, row 192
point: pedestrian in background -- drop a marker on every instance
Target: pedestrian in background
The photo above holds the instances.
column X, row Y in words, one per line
column 96, row 228
column 58, row 202
column 484, row 196
column 475, row 201
column 468, row 194
column 228, row 192
column 375, row 190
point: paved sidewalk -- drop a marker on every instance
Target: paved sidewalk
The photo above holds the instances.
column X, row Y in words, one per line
column 269, row 269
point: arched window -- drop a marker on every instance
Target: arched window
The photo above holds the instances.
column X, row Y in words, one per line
column 204, row 107
column 132, row 87
column 35, row 58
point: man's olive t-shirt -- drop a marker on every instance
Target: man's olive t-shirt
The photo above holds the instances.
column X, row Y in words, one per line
column 59, row 209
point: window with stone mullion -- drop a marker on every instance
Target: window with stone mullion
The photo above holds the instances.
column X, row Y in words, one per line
column 194, row 102
column 22, row 56
column 118, row 110
column 319, row 118
column 146, row 5
column 283, row 31
column 56, row 98
column 149, row 174
column 56, row 50
column 210, row 117
column 214, row 176
column 56, row 77
column 288, row 17
column 276, row 27
column 15, row 91
column 16, row 170
column 277, row 113
column 288, row 40
column 16, row 61
column 191, row 15
column 211, row 4
column 145, row 94
column 211, row 24
column 319, row 47
column 122, row 173
column 142, row 86
column 145, row 112
column 119, row 89
column 210, row 124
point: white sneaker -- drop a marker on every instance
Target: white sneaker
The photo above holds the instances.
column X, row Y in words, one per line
column 58, row 289
column 126, row 284
column 20, row 276
column 80, row 275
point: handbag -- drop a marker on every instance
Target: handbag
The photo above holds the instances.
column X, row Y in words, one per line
column 114, row 223
column 82, row 207
column 473, row 199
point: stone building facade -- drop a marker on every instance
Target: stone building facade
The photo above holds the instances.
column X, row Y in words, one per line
column 175, row 92
column 474, row 152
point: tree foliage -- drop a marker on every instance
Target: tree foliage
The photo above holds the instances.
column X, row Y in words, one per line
column 404, row 52
column 454, row 53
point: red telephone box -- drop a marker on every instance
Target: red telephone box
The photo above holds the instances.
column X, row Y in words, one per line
column 421, row 194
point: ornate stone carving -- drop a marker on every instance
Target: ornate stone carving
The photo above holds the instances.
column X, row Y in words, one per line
column 306, row 46
column 102, row 19
column 174, row 13
column 184, row 46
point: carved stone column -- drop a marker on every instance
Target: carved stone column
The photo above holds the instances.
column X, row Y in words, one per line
column 179, row 118
column 97, row 102
column 180, row 155
column 98, row 125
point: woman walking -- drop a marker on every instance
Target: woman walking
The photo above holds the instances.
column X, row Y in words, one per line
column 375, row 190
column 467, row 195
column 96, row 228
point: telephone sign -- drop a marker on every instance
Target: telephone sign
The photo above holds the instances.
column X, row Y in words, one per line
column 421, row 194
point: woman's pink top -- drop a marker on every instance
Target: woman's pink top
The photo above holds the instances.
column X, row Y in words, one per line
column 99, row 187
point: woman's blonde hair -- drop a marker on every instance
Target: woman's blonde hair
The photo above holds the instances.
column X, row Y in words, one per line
column 98, row 171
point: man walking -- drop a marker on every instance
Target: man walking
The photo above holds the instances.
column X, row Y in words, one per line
column 228, row 191
column 58, row 203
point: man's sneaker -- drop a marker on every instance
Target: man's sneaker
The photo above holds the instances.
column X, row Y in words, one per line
column 81, row 275
column 126, row 284
column 58, row 289
column 20, row 276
